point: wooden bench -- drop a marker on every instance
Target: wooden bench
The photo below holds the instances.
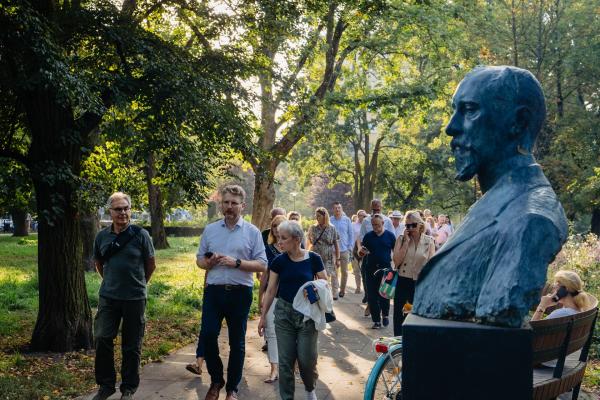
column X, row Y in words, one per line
column 565, row 341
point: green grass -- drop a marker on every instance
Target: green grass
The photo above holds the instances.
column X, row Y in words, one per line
column 173, row 316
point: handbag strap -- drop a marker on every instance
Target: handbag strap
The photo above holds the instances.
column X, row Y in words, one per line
column 319, row 238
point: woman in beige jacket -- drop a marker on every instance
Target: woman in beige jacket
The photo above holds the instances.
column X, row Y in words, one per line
column 411, row 253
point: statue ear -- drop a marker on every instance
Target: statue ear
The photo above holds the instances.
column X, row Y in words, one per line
column 522, row 117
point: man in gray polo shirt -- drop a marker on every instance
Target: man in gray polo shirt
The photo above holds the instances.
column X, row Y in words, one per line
column 124, row 258
column 231, row 250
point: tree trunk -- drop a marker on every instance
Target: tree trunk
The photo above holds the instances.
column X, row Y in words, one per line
column 595, row 226
column 358, row 179
column 64, row 321
column 264, row 193
column 264, row 166
column 155, row 202
column 367, row 188
column 89, row 224
column 513, row 22
column 19, row 217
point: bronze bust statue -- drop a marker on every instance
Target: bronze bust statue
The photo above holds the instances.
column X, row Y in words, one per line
column 493, row 268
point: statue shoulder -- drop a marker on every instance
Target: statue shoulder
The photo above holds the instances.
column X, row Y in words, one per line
column 540, row 206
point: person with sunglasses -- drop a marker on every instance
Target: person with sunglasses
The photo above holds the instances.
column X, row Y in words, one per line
column 411, row 251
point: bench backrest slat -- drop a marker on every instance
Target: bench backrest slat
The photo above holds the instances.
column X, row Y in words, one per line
column 549, row 335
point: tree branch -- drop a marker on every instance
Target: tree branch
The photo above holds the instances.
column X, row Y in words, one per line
column 203, row 40
column 291, row 80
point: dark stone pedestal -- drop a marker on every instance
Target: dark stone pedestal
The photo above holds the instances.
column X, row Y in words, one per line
column 463, row 361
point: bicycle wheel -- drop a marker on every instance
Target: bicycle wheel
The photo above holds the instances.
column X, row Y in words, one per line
column 385, row 380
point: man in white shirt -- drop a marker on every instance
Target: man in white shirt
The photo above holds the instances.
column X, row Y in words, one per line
column 397, row 223
column 366, row 227
column 232, row 251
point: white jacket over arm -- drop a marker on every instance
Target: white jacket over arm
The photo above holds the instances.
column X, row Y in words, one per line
column 315, row 311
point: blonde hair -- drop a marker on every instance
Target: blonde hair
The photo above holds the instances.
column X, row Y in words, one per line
column 278, row 219
column 416, row 217
column 574, row 284
column 235, row 190
column 323, row 211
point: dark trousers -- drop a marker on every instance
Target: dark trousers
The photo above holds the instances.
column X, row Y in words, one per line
column 377, row 304
column 106, row 327
column 363, row 274
column 405, row 293
column 232, row 304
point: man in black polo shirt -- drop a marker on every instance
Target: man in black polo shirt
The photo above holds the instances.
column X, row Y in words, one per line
column 124, row 257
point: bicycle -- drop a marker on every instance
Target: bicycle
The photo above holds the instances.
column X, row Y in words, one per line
column 385, row 379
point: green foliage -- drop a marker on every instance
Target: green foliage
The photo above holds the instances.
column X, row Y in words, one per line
column 173, row 315
column 108, row 169
column 381, row 128
column 16, row 190
column 559, row 42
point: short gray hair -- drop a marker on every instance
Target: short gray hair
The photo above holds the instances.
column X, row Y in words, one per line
column 377, row 216
column 117, row 195
column 293, row 229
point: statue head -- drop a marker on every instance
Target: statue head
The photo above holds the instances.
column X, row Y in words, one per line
column 498, row 113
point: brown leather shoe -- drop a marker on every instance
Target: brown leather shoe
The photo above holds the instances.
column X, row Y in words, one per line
column 231, row 395
column 213, row 391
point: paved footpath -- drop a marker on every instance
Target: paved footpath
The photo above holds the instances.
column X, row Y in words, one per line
column 345, row 360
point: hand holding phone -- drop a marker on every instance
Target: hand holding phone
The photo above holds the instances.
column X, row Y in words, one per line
column 363, row 251
column 311, row 293
column 560, row 293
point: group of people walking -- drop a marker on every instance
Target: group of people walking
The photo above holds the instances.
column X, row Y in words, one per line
column 300, row 279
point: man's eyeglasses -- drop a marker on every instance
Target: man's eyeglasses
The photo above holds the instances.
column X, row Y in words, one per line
column 411, row 226
column 119, row 210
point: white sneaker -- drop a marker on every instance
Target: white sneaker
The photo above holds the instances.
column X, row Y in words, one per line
column 312, row 395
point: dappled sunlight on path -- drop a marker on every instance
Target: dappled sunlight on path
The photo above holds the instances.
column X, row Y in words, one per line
column 345, row 360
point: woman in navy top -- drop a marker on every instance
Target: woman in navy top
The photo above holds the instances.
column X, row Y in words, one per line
column 296, row 338
column 378, row 244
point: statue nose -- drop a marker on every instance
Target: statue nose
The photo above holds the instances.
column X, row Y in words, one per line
column 453, row 127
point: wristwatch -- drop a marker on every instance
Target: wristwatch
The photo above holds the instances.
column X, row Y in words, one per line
column 238, row 262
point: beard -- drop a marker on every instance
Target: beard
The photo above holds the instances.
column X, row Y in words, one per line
column 466, row 162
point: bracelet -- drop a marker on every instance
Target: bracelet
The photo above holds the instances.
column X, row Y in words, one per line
column 539, row 310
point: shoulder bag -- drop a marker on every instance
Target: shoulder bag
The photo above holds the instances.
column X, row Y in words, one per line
column 122, row 239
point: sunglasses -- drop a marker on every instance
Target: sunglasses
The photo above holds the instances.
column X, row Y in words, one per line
column 119, row 210
column 411, row 226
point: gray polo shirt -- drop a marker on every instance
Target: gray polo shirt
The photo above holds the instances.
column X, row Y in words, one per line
column 244, row 241
column 124, row 273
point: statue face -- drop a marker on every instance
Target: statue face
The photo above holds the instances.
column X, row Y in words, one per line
column 479, row 126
